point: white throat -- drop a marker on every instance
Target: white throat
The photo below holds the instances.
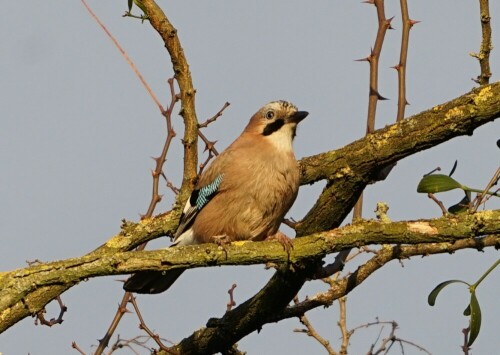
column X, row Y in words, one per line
column 282, row 139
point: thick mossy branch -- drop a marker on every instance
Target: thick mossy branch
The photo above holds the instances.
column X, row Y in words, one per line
column 349, row 169
column 25, row 291
column 267, row 306
column 343, row 286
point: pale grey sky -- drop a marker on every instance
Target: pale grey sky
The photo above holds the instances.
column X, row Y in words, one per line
column 78, row 131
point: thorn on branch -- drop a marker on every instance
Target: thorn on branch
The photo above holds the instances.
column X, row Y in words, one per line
column 210, row 145
column 413, row 22
column 376, row 93
column 366, row 59
column 388, row 23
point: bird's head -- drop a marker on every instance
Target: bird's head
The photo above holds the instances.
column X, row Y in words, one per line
column 277, row 122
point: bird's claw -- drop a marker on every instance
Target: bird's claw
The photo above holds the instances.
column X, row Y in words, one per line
column 284, row 241
column 222, row 241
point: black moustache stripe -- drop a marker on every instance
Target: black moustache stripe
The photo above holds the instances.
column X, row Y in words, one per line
column 273, row 127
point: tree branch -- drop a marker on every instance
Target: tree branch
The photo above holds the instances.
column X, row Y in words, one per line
column 486, row 46
column 388, row 253
column 187, row 93
column 342, row 168
column 23, row 291
column 349, row 169
column 247, row 318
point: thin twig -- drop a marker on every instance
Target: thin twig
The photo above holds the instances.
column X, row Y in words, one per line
column 231, row 302
column 374, row 96
column 212, row 151
column 388, row 341
column 465, row 347
column 373, row 59
column 433, row 171
column 140, row 341
column 214, row 117
column 158, row 171
column 155, row 199
column 75, row 346
column 143, row 326
column 125, row 55
column 170, row 184
column 209, row 145
column 484, row 52
column 439, row 203
column 310, row 331
column 343, row 286
column 122, row 309
column 484, row 196
column 342, row 323
column 49, row 323
column 401, row 67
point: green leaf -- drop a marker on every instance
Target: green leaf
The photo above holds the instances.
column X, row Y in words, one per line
column 431, row 299
column 437, row 183
column 475, row 318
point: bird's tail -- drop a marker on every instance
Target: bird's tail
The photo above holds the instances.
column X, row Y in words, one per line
column 152, row 281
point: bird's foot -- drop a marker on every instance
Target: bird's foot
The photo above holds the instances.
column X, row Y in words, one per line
column 222, row 241
column 283, row 240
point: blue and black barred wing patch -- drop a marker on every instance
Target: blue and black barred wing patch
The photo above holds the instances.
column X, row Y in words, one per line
column 198, row 199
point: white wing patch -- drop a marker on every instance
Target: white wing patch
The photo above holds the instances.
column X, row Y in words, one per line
column 186, row 238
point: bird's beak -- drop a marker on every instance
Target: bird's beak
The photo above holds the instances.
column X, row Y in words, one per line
column 298, row 116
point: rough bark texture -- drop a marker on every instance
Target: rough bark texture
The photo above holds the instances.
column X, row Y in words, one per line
column 26, row 291
column 349, row 169
column 187, row 94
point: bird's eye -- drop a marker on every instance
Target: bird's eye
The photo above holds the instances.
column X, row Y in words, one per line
column 270, row 115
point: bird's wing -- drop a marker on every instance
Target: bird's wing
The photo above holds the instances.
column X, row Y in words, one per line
column 198, row 199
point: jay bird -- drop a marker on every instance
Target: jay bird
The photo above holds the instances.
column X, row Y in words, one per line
column 243, row 195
